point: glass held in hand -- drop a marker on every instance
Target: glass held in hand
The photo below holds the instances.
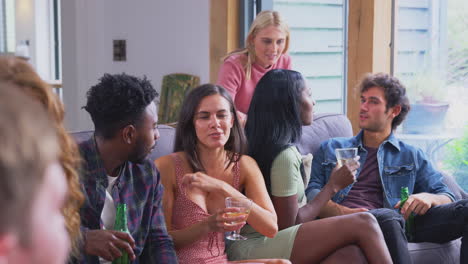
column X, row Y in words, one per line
column 243, row 206
column 345, row 155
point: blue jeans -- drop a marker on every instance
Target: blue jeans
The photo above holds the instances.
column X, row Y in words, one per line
column 440, row 224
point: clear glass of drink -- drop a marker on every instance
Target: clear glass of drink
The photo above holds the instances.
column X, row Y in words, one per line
column 345, row 155
column 243, row 205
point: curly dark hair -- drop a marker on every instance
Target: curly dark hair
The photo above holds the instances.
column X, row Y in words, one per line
column 117, row 101
column 394, row 91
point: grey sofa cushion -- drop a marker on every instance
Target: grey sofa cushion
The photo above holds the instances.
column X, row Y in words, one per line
column 433, row 253
column 81, row 136
column 454, row 187
column 165, row 143
column 325, row 126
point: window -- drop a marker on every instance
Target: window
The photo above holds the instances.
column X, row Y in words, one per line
column 7, row 26
column 431, row 58
column 317, row 47
column 56, row 40
column 37, row 26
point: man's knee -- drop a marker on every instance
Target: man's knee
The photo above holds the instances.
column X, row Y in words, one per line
column 461, row 209
column 367, row 219
column 387, row 216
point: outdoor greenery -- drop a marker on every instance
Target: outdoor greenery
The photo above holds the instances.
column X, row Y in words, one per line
column 456, row 159
column 443, row 76
column 457, row 37
column 456, row 153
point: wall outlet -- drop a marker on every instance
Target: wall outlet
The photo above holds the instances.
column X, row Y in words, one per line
column 120, row 49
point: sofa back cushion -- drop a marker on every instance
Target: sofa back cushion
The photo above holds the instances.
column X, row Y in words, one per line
column 81, row 136
column 164, row 145
column 325, row 126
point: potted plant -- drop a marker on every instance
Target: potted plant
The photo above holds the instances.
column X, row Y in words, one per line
column 426, row 92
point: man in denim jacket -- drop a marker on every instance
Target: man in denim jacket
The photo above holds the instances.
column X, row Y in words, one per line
column 387, row 165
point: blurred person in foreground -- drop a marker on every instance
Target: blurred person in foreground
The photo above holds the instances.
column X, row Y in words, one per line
column 20, row 73
column 32, row 183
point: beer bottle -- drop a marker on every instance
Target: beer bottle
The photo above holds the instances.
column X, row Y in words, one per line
column 409, row 226
column 121, row 225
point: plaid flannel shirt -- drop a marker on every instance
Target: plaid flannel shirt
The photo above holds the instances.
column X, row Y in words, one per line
column 140, row 189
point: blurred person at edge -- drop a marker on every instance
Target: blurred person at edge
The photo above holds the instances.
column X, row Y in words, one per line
column 32, row 183
column 19, row 72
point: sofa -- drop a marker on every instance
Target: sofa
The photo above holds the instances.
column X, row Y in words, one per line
column 326, row 126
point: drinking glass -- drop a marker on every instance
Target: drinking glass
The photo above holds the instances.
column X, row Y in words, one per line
column 243, row 205
column 345, row 155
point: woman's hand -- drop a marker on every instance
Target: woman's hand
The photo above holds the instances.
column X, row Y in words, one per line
column 225, row 220
column 203, row 182
column 344, row 175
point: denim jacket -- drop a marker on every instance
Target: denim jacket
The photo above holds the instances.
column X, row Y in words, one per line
column 400, row 165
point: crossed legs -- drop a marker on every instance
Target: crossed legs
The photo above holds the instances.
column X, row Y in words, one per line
column 317, row 240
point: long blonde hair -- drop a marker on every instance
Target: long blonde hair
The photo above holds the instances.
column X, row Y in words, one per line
column 262, row 20
column 20, row 73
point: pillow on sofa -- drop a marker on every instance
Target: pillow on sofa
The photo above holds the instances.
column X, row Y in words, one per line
column 307, row 162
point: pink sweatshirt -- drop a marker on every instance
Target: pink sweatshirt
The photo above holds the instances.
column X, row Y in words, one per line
column 232, row 77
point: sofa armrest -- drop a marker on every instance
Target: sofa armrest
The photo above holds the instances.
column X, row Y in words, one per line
column 454, row 187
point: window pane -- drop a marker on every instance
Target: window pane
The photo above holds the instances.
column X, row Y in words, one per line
column 431, row 58
column 317, row 41
column 7, row 26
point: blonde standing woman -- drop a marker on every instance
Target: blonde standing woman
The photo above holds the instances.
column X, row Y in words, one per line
column 266, row 48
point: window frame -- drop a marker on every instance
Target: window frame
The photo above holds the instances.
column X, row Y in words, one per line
column 260, row 5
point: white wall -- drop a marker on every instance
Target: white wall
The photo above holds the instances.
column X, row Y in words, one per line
column 43, row 48
column 162, row 36
column 33, row 23
column 24, row 25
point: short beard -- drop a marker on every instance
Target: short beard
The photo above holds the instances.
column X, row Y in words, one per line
column 139, row 153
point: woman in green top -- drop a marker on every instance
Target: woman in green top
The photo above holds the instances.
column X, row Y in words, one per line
column 280, row 106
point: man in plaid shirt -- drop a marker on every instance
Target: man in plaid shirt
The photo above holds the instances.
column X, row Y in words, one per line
column 116, row 170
